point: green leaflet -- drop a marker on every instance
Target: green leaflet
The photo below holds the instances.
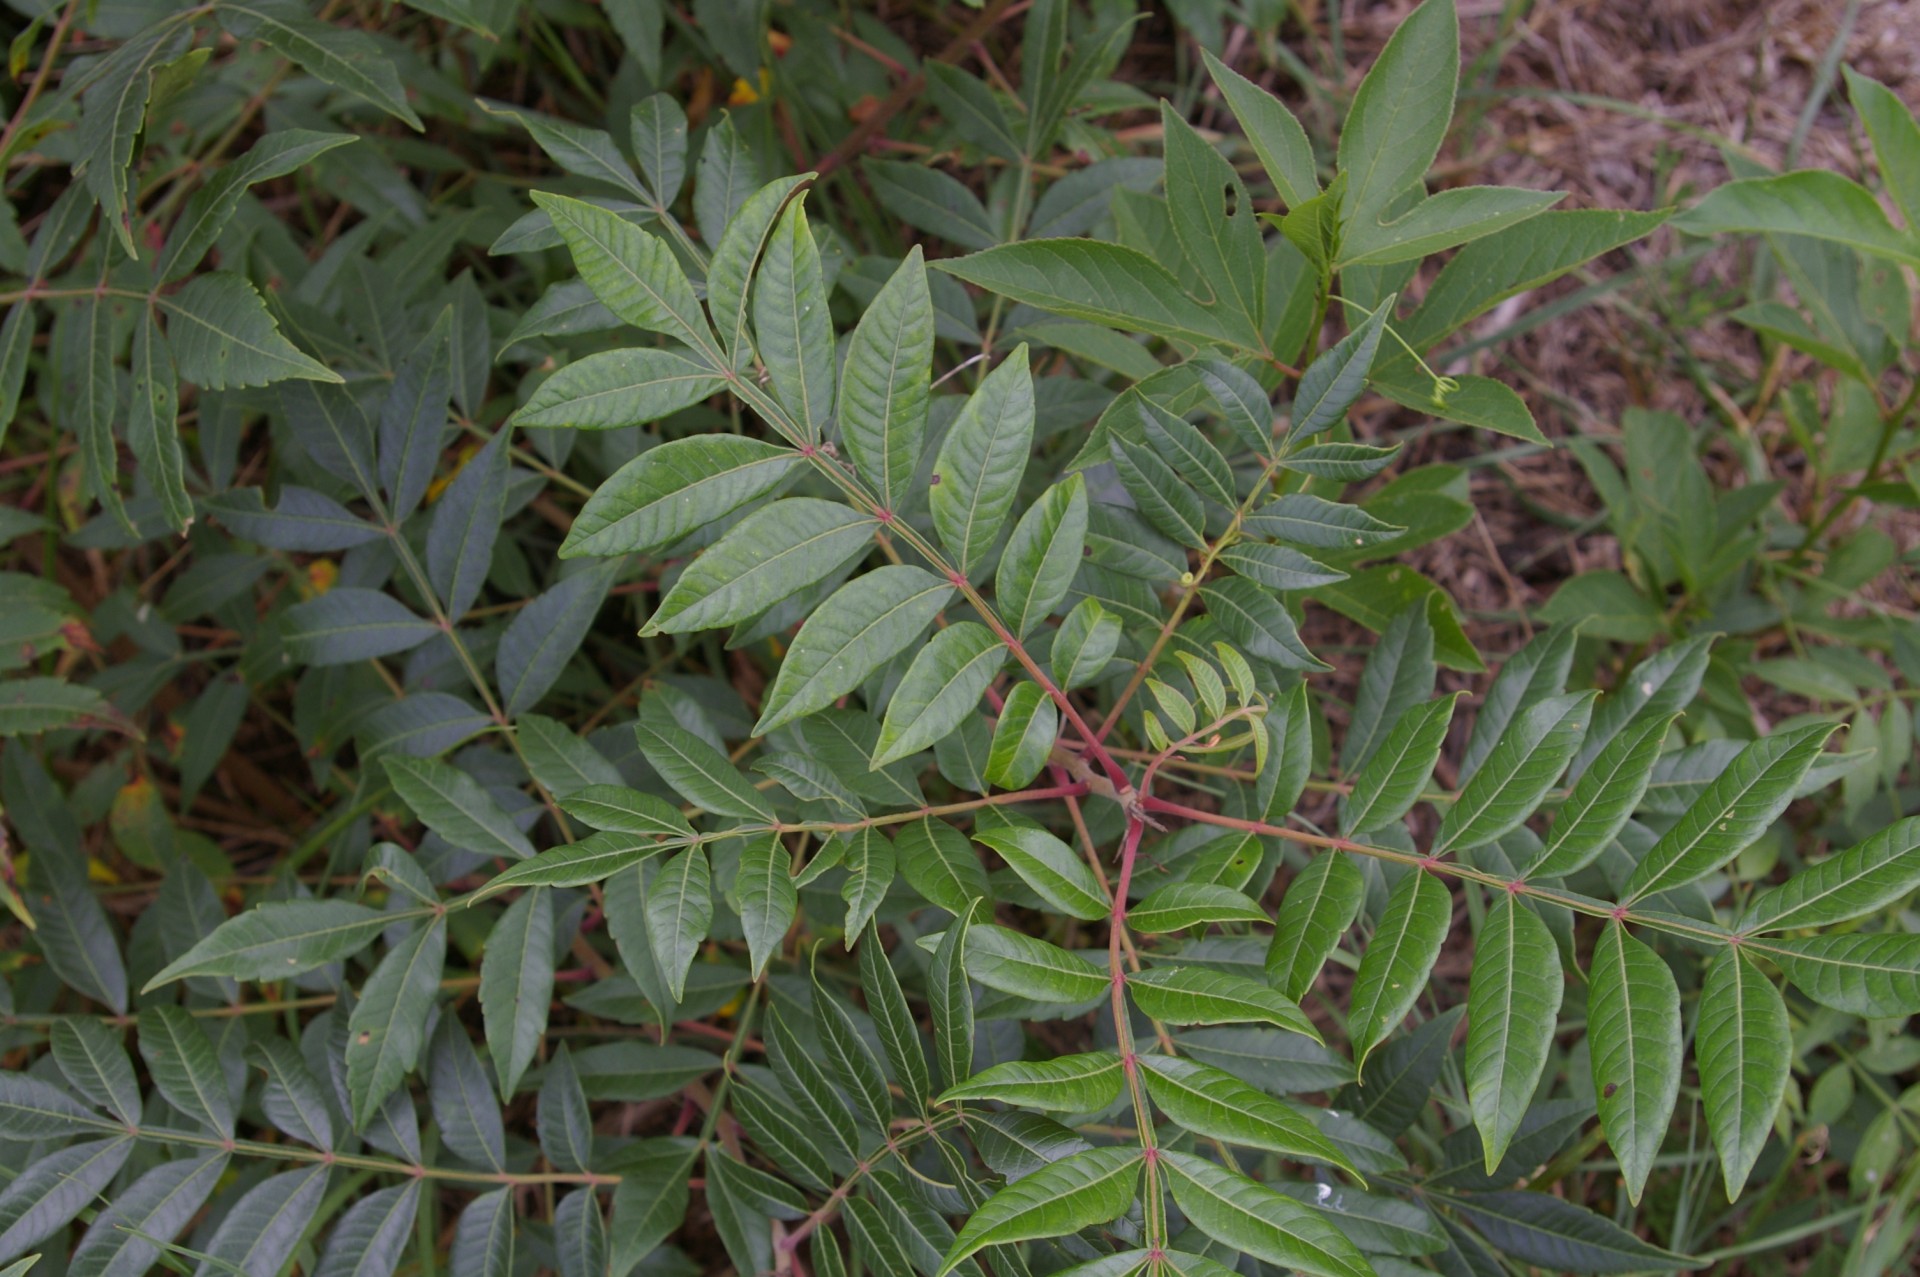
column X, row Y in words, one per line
column 679, row 910
column 1061, row 1197
column 1320, row 904
column 1085, row 1083
column 1042, row 555
column 1026, row 967
column 700, row 773
column 1053, row 869
column 619, row 388
column 774, row 552
column 1394, row 969
column 1255, row 1220
column 1603, row 799
column 277, row 940
column 1519, row 770
column 768, row 900
column 1180, row 905
column 388, row 1025
column 1814, row 203
column 223, row 336
column 864, row 624
column 1209, row 1102
column 1512, row 1008
column 1195, row 995
column 674, row 489
column 1335, row 380
column 632, row 271
column 516, row 986
column 1743, row 1047
column 1394, row 777
column 939, row 863
column 1275, row 133
column 1851, row 884
column 790, row 322
column 455, row 806
column 1871, row 974
column 978, row 472
column 943, row 685
column 1098, row 282
column 884, row 385
column 950, row 1004
column 1023, row 737
column 1730, row 813
column 1399, row 116
column 1633, row 1021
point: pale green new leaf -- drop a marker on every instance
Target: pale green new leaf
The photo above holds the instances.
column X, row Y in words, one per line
column 978, row 472
column 1084, row 1083
column 1633, row 1025
column 1513, row 1005
column 1394, row 970
column 865, row 623
column 942, row 686
column 1061, row 1197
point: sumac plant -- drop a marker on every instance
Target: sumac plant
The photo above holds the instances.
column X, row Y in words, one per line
column 980, row 882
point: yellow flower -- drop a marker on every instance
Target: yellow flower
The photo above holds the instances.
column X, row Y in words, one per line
column 321, row 575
